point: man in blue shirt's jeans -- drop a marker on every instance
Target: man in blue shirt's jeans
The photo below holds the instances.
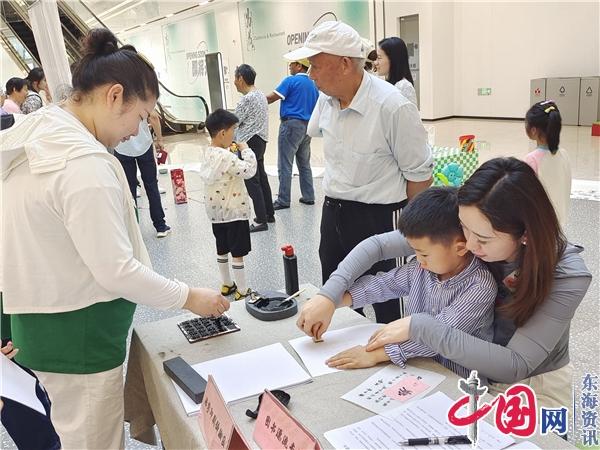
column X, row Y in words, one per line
column 298, row 95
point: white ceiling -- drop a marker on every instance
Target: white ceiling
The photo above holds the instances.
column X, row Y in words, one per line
column 119, row 15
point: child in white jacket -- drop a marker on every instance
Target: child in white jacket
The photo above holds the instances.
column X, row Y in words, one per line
column 226, row 199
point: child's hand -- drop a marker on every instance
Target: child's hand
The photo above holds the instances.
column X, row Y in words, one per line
column 242, row 145
column 315, row 316
column 356, row 358
column 9, row 350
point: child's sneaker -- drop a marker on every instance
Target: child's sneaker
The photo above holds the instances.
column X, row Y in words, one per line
column 228, row 290
column 240, row 296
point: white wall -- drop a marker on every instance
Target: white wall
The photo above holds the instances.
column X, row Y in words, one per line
column 230, row 46
column 504, row 45
column 469, row 45
column 442, row 60
column 463, row 46
column 8, row 68
column 394, row 10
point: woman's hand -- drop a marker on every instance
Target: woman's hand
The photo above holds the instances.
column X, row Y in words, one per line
column 206, row 302
column 9, row 350
column 357, row 358
column 394, row 332
column 159, row 145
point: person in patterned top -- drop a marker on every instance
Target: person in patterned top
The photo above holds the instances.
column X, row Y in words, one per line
column 36, row 81
column 224, row 166
column 253, row 112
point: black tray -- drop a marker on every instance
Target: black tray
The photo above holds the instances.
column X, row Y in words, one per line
column 268, row 306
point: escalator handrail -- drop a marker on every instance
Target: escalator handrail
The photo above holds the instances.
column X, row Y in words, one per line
column 25, row 19
column 14, row 53
column 185, row 96
column 162, row 111
column 73, row 17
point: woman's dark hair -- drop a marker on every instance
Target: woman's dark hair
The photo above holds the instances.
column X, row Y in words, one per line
column 371, row 57
column 104, row 63
column 35, row 74
column 509, row 194
column 15, row 84
column 396, row 51
column 247, row 73
column 545, row 118
column 433, row 214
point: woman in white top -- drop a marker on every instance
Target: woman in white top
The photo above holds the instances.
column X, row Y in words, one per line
column 392, row 63
column 551, row 163
column 74, row 264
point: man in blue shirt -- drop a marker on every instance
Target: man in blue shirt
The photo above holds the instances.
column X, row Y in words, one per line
column 298, row 95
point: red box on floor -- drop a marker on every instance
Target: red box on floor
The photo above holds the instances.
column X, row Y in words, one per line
column 178, row 182
column 596, row 129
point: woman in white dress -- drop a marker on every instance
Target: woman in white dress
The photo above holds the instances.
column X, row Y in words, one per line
column 392, row 63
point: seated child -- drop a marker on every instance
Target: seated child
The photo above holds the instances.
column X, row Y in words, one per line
column 550, row 162
column 444, row 280
column 223, row 171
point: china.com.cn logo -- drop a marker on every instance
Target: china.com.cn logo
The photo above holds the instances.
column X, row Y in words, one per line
column 515, row 411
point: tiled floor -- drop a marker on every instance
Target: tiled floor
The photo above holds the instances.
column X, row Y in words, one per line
column 501, row 138
column 188, row 253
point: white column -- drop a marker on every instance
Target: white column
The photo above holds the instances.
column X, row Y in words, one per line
column 49, row 39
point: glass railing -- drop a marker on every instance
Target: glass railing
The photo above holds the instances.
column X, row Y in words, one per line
column 190, row 109
column 17, row 47
column 121, row 15
column 175, row 108
column 85, row 13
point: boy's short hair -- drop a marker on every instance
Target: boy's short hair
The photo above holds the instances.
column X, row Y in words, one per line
column 218, row 120
column 433, row 213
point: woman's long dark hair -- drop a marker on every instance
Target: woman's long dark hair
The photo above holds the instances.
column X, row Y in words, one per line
column 396, row 51
column 509, row 194
column 35, row 74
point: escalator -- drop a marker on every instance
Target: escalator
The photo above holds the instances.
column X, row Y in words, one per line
column 16, row 18
column 179, row 113
column 18, row 24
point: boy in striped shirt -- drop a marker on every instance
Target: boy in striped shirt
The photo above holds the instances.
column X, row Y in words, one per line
column 444, row 280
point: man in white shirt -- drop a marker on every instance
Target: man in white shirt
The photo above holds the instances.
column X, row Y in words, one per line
column 375, row 147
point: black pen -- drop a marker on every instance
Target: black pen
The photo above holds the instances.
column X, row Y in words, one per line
column 450, row 440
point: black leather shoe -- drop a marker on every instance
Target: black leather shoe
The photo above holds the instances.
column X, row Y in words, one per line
column 277, row 206
column 307, row 202
column 260, row 227
column 270, row 219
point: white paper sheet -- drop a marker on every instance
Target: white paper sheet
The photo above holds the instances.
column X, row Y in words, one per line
column 314, row 355
column 371, row 393
column 423, row 418
column 18, row 385
column 244, row 375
